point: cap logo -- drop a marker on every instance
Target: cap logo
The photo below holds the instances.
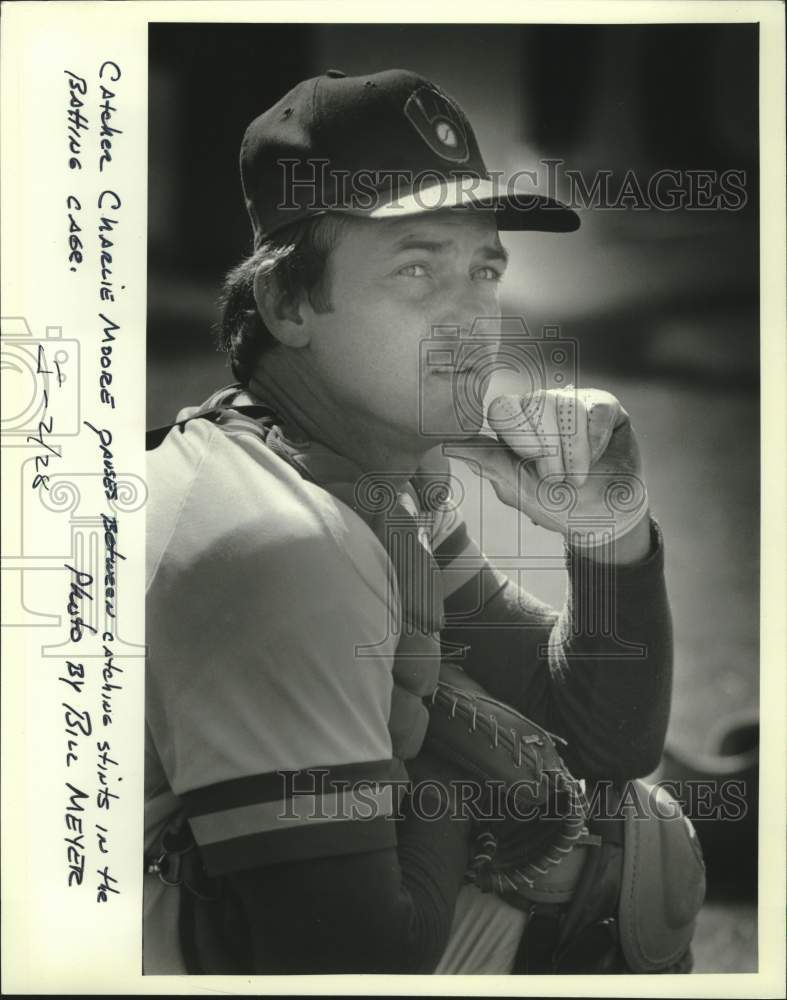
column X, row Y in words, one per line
column 437, row 121
column 446, row 134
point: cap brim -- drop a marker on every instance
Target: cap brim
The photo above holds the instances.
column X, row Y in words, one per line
column 515, row 211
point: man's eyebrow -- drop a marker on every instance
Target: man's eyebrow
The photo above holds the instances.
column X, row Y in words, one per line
column 494, row 251
column 419, row 243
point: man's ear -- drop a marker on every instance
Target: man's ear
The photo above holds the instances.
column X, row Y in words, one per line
column 279, row 312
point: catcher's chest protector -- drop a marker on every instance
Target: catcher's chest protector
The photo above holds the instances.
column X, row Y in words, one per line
column 416, row 612
column 416, row 601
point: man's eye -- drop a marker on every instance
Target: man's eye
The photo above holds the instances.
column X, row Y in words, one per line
column 488, row 274
column 413, row 271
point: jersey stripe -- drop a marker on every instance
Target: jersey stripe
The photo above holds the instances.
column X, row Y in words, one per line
column 362, row 804
column 267, row 818
column 468, row 580
column 452, row 545
column 278, row 785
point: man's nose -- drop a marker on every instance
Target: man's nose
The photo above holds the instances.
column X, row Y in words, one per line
column 466, row 306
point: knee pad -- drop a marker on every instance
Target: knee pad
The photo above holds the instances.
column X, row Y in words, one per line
column 634, row 904
column 662, row 881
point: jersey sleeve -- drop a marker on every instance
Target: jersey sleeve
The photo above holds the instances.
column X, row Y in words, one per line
column 270, row 651
column 597, row 672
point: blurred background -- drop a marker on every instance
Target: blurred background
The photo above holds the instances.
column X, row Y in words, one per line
column 663, row 305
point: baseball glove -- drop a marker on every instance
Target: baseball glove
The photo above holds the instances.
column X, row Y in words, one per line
column 616, row 893
column 529, row 808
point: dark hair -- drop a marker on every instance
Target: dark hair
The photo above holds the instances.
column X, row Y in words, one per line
column 294, row 258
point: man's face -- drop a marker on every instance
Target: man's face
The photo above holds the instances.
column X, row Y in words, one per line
column 391, row 285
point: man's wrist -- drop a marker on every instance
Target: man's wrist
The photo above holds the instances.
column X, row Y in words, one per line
column 632, row 547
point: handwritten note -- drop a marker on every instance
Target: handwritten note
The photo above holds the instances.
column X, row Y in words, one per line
column 92, row 676
column 73, row 330
column 74, row 215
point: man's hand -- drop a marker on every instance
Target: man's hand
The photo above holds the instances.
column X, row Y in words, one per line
column 569, row 459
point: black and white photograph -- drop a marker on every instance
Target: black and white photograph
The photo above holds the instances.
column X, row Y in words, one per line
column 452, row 539
column 393, row 552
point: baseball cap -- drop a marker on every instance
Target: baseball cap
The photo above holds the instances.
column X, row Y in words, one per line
column 383, row 145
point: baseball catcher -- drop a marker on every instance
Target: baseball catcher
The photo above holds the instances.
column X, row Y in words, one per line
column 367, row 748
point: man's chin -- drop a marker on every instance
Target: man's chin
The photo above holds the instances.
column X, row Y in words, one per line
column 452, row 424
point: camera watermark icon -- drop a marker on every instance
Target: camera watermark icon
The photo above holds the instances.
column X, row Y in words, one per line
column 40, row 383
column 494, row 346
column 60, row 521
